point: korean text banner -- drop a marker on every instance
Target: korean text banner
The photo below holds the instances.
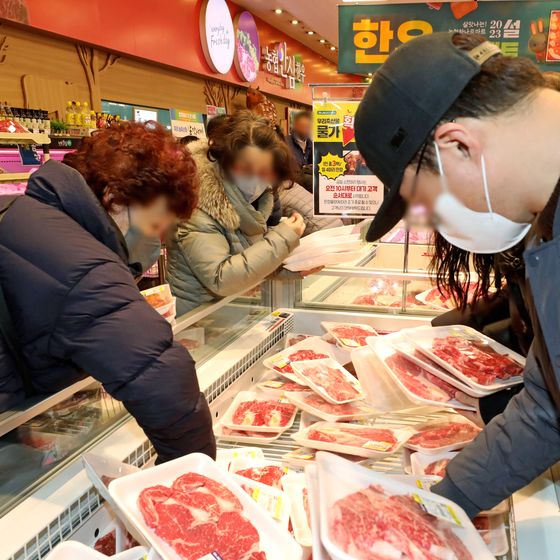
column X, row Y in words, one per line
column 369, row 33
column 342, row 183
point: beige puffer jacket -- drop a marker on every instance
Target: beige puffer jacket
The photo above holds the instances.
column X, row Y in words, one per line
column 226, row 246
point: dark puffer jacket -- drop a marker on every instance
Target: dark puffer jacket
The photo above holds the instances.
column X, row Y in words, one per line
column 77, row 309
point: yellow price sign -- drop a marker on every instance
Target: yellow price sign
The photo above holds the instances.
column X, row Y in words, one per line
column 332, row 166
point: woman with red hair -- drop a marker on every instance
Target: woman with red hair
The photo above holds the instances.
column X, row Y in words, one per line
column 69, row 251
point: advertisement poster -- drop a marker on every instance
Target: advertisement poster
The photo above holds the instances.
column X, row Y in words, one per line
column 369, row 33
column 213, row 111
column 343, row 185
column 247, row 47
column 187, row 123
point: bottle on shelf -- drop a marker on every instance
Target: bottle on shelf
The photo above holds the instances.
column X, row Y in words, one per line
column 47, row 122
column 86, row 115
column 69, row 115
column 78, row 114
column 93, row 120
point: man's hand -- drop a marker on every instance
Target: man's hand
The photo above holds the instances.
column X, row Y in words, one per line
column 474, row 417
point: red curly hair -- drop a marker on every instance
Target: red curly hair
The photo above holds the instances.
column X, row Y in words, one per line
column 135, row 163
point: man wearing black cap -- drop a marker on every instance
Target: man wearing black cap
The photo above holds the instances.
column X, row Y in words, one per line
column 473, row 136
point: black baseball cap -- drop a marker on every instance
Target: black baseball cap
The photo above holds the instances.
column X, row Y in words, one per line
column 408, row 96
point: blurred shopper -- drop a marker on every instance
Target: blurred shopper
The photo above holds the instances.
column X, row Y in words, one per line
column 302, row 148
column 66, row 272
column 226, row 245
column 451, row 124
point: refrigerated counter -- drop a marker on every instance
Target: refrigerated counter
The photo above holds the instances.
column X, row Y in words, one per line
column 46, row 496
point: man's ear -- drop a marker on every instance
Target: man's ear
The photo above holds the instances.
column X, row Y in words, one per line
column 454, row 136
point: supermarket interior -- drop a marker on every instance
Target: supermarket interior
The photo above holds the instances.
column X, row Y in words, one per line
column 277, row 280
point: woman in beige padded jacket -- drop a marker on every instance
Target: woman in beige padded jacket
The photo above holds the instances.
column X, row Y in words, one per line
column 226, row 246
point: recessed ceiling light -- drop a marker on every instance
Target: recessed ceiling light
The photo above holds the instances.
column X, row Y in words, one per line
column 278, row 11
column 370, row 74
column 333, row 48
column 322, row 41
column 295, row 22
column 311, row 32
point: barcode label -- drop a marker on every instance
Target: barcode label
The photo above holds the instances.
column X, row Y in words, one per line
column 439, row 510
column 377, row 445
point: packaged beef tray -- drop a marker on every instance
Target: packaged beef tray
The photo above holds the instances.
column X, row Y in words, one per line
column 189, row 508
column 365, row 514
column 259, row 412
column 353, row 439
column 349, row 335
column 330, row 380
column 447, row 434
column 472, row 357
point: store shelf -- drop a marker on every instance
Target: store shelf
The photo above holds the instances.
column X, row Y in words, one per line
column 14, row 177
column 24, row 138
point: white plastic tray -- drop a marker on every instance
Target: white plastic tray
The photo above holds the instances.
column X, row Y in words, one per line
column 496, row 538
column 383, row 348
column 347, row 343
column 74, row 550
column 326, row 259
column 225, row 457
column 422, row 338
column 249, row 463
column 243, row 396
column 259, row 437
column 294, row 486
column 273, row 501
column 375, row 451
column 280, row 360
column 274, row 541
column 325, row 247
column 338, row 478
column 301, row 367
column 312, row 480
column 419, row 461
column 380, row 390
column 274, row 384
column 405, row 347
column 292, row 338
column 363, row 410
column 440, row 422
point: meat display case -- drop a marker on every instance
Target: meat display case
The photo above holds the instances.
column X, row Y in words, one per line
column 229, row 340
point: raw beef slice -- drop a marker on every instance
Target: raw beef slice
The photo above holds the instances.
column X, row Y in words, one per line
column 442, row 435
column 371, row 525
column 332, row 381
column 198, row 516
column 300, row 356
column 269, row 475
column 353, row 333
column 263, row 413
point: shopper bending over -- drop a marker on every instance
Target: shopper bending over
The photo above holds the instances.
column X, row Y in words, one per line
column 463, row 131
column 226, row 246
column 68, row 280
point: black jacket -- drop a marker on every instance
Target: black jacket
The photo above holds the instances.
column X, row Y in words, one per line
column 303, row 157
column 77, row 309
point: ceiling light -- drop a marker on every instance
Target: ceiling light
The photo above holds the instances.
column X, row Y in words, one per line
column 333, row 48
column 370, row 74
column 278, row 11
column 311, row 32
column 295, row 22
column 322, row 41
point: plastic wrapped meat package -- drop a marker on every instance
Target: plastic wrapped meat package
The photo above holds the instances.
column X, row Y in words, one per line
column 279, row 385
column 364, row 514
column 73, row 550
column 416, row 381
column 349, row 335
column 442, row 299
column 190, row 507
column 386, row 292
column 470, row 356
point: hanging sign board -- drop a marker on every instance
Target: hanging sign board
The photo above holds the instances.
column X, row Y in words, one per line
column 369, row 33
column 217, row 35
column 342, row 184
column 187, row 123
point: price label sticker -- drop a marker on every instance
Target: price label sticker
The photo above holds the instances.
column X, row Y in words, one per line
column 273, row 384
column 273, row 503
column 437, row 509
column 378, row 445
column 349, row 342
column 280, row 362
column 212, row 556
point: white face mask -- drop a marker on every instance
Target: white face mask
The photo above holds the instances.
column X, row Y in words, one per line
column 475, row 232
column 251, row 186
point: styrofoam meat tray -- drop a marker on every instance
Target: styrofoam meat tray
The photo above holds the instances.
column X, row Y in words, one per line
column 362, row 409
column 294, row 485
column 312, row 480
column 273, row 384
column 338, row 478
column 245, row 396
column 258, row 438
column 405, row 347
column 325, row 259
column 74, row 550
column 279, row 361
column 347, row 343
column 422, row 338
column 301, row 367
column 329, row 245
column 274, row 501
column 496, row 537
column 373, row 450
column 436, row 423
column 227, row 457
column 274, row 541
column 381, row 392
column 384, row 348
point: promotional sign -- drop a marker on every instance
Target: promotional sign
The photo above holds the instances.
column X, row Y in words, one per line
column 187, row 123
column 217, row 35
column 343, row 185
column 277, row 61
column 213, row 111
column 247, row 47
column 369, row 33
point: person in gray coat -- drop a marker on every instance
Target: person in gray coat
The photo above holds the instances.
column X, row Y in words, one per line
column 451, row 124
column 226, row 246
